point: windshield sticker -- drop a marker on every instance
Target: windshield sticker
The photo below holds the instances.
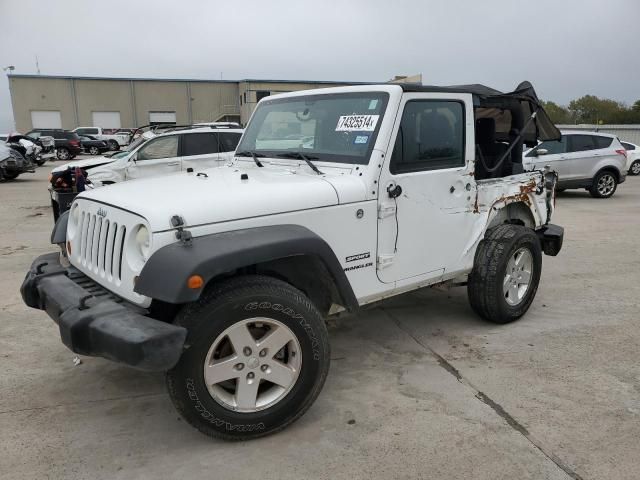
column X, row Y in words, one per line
column 373, row 104
column 357, row 123
column 361, row 139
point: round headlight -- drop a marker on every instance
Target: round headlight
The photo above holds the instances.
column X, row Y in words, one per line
column 143, row 241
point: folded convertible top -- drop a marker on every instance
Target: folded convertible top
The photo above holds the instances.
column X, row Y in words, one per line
column 522, row 102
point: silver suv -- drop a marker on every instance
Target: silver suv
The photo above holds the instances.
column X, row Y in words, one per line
column 590, row 160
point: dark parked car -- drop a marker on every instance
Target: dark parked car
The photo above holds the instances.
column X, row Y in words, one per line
column 67, row 143
column 92, row 145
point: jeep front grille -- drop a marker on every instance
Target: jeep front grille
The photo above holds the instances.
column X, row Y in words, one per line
column 101, row 245
column 102, row 249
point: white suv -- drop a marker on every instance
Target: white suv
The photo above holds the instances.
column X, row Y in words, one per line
column 589, row 160
column 171, row 152
column 337, row 198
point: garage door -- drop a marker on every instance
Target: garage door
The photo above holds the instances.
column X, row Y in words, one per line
column 106, row 119
column 46, row 119
column 162, row 117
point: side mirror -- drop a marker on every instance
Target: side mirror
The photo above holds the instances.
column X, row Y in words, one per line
column 541, row 151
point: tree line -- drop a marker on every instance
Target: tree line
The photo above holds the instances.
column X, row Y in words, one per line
column 593, row 110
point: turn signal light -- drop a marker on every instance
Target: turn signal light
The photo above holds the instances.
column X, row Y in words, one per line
column 195, row 282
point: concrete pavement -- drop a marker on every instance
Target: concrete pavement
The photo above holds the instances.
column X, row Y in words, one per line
column 419, row 386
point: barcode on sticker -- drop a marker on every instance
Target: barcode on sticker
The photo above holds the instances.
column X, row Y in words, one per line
column 357, row 123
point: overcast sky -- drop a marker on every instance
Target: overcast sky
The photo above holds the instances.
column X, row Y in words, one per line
column 565, row 48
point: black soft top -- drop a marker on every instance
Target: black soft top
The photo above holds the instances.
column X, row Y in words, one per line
column 523, row 100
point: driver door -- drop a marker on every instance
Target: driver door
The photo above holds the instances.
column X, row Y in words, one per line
column 158, row 157
column 424, row 228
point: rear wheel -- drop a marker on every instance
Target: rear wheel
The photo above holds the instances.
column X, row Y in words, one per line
column 113, row 145
column 94, row 150
column 10, row 176
column 257, row 357
column 506, row 273
column 604, row 185
column 634, row 169
column 63, row 153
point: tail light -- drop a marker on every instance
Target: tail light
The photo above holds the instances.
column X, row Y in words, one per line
column 75, row 143
column 622, row 151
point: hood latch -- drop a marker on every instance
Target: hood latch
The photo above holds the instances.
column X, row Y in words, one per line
column 183, row 235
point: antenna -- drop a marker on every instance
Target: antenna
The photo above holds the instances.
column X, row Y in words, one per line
column 37, row 65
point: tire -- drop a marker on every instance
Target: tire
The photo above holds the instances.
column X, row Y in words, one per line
column 560, row 190
column 94, row 151
column 11, row 176
column 604, row 185
column 113, row 145
column 232, row 306
column 486, row 287
column 41, row 161
column 634, row 169
column 63, row 153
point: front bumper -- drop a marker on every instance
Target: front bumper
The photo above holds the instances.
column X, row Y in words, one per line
column 94, row 322
column 551, row 237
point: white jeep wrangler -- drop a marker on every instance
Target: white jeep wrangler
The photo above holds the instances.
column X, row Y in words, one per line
column 336, row 198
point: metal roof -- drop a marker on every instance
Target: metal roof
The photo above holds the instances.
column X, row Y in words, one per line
column 191, row 80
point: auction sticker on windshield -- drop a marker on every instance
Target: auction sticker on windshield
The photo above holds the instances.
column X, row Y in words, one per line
column 357, row 123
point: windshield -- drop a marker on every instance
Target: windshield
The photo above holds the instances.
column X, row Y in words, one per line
column 339, row 127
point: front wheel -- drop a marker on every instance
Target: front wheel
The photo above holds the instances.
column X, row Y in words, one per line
column 506, row 273
column 634, row 169
column 256, row 357
column 604, row 185
column 113, row 145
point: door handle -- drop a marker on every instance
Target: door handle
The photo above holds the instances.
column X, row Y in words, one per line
column 173, row 164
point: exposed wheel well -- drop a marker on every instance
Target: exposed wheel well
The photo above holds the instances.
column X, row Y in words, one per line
column 516, row 213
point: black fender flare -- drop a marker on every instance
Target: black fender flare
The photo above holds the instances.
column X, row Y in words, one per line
column 164, row 276
column 59, row 232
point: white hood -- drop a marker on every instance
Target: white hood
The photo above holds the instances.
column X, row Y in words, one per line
column 85, row 163
column 222, row 195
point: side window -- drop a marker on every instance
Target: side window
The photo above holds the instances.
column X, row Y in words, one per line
column 628, row 146
column 602, row 142
column 228, row 141
column 163, row 147
column 431, row 136
column 199, row 144
column 581, row 143
column 551, row 146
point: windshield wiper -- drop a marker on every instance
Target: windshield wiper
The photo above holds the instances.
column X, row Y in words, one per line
column 301, row 156
column 254, row 155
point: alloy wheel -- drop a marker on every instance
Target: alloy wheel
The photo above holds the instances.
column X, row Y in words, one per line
column 252, row 365
column 606, row 185
column 517, row 276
